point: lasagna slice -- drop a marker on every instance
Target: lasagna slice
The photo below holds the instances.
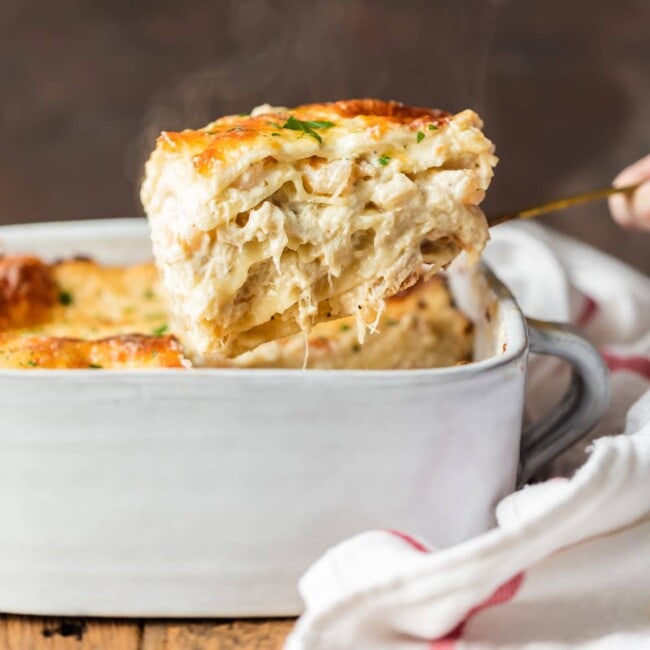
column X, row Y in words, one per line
column 266, row 224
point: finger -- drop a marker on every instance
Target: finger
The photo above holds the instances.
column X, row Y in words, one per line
column 620, row 210
column 632, row 211
column 641, row 206
column 639, row 171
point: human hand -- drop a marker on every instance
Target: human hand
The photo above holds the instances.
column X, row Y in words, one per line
column 633, row 210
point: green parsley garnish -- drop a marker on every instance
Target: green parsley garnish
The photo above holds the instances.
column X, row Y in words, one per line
column 243, row 114
column 275, row 134
column 433, row 127
column 383, row 160
column 31, row 363
column 159, row 331
column 94, row 365
column 65, row 298
column 148, row 294
column 307, row 127
column 419, row 137
column 319, row 124
column 391, row 322
column 345, row 327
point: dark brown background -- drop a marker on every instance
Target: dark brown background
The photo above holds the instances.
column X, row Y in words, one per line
column 563, row 86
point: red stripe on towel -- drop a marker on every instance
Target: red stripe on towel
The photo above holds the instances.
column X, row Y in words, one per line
column 589, row 310
column 637, row 364
column 507, row 591
column 411, row 541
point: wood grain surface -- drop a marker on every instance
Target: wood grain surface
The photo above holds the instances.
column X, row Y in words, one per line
column 35, row 633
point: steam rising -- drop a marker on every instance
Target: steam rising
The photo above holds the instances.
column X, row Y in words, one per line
column 233, row 84
column 475, row 22
column 289, row 52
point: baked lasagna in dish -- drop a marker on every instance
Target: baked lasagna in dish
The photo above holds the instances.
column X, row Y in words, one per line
column 266, row 224
column 79, row 314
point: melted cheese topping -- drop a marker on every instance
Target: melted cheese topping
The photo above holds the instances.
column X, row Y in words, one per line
column 78, row 314
column 268, row 224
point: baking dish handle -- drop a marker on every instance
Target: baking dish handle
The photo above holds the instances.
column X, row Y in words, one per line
column 583, row 404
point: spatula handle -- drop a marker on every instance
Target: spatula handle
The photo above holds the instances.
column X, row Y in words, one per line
column 561, row 204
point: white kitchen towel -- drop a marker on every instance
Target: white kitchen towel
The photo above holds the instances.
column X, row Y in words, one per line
column 568, row 565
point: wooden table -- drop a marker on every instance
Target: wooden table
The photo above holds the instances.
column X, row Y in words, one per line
column 34, row 633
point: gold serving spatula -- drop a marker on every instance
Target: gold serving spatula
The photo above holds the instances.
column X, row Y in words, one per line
column 561, row 204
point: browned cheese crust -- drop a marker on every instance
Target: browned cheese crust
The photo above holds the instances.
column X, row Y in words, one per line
column 225, row 138
column 77, row 314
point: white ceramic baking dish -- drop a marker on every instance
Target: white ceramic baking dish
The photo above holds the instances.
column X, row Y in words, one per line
column 208, row 492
